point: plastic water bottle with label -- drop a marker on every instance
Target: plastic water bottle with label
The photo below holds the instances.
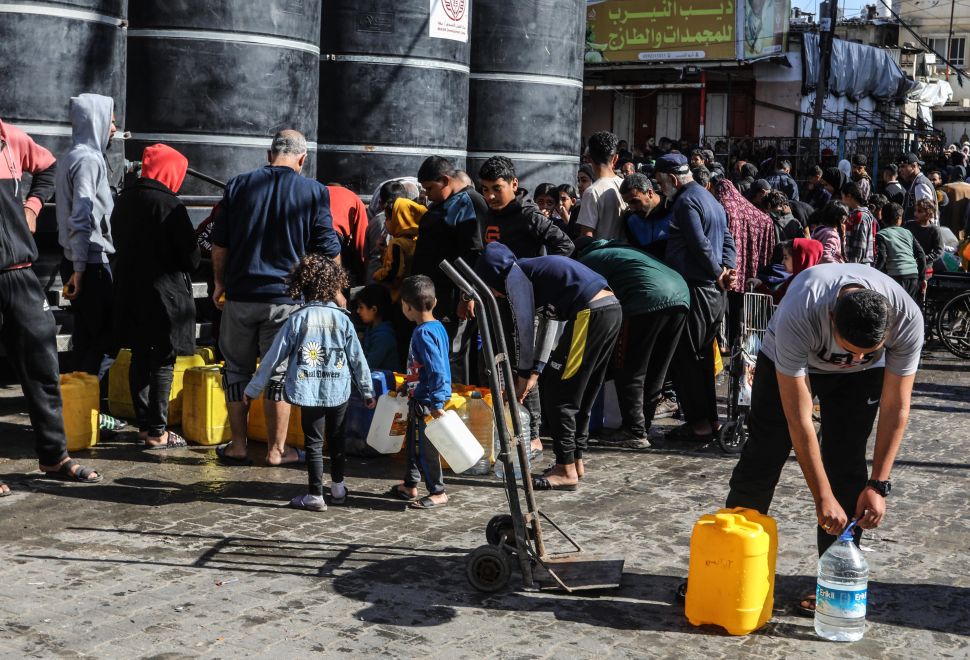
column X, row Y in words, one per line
column 524, row 420
column 841, row 594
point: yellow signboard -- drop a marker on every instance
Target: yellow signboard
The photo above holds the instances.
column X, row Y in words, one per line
column 672, row 30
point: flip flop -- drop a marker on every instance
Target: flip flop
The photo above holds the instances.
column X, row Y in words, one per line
column 300, row 459
column 5, row 493
column 231, row 461
column 427, row 503
column 308, row 503
column 806, row 610
column 548, row 471
column 173, row 441
column 82, row 475
column 541, row 483
column 396, row 493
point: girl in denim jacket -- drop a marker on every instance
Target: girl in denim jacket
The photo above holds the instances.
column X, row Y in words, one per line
column 323, row 356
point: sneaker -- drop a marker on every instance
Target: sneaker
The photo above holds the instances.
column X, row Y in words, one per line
column 666, row 408
column 309, row 502
column 626, row 439
column 109, row 423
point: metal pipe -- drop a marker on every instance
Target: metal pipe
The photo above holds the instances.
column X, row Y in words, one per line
column 205, row 177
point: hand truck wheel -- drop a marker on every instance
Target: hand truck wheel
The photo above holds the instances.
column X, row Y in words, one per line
column 732, row 437
column 488, row 568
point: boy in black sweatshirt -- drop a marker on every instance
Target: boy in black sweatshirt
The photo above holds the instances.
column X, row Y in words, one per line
column 517, row 223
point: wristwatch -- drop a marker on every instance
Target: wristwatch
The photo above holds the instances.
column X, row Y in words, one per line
column 881, row 487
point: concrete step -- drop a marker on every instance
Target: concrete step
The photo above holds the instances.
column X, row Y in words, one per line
column 55, row 297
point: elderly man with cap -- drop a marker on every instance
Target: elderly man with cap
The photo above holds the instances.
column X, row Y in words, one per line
column 702, row 250
column 919, row 187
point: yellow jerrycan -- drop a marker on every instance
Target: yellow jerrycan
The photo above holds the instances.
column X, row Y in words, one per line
column 205, row 418
column 731, row 576
column 81, row 396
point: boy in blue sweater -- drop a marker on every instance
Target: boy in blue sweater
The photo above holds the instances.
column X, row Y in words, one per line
column 428, row 389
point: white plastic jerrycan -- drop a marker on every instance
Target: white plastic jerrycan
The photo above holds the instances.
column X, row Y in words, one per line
column 454, row 441
column 384, row 435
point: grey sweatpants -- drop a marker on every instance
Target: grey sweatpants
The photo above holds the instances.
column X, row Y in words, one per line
column 246, row 333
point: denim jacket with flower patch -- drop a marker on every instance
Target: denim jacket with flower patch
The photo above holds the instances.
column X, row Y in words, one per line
column 324, row 356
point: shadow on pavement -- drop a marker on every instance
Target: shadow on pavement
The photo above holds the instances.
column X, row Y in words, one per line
column 415, row 587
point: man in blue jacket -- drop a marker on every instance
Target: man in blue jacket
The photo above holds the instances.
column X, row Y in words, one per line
column 267, row 220
column 701, row 249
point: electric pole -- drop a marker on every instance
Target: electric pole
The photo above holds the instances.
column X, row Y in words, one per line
column 826, row 35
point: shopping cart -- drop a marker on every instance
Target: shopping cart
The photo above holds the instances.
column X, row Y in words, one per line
column 758, row 309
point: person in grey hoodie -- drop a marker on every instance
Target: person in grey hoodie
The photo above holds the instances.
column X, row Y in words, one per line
column 84, row 206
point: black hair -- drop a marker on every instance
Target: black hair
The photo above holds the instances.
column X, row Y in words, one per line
column 775, row 198
column 749, row 170
column 495, row 168
column 436, row 167
column 862, row 317
column 890, row 167
column 602, row 147
column 637, row 181
column 787, row 246
column 392, row 191
column 784, row 164
column 376, row 295
column 701, row 175
column 547, row 190
column 891, row 213
column 876, row 202
column 569, row 190
column 699, row 153
column 418, row 292
column 816, row 170
column 586, row 169
column 851, row 189
column 317, row 277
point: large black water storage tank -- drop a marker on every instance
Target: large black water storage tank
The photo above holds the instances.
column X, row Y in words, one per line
column 390, row 93
column 216, row 79
column 527, row 87
column 51, row 51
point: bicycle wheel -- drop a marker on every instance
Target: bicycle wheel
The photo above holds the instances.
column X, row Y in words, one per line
column 953, row 325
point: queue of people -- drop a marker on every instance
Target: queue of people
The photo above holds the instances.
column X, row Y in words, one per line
column 628, row 277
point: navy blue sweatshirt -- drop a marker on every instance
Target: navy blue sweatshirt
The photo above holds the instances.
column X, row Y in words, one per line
column 699, row 243
column 554, row 287
column 268, row 219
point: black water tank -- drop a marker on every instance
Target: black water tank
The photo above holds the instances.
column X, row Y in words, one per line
column 526, row 88
column 216, row 79
column 390, row 93
column 51, row 51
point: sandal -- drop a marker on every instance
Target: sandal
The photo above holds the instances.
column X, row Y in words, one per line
column 231, row 461
column 806, row 606
column 684, row 433
column 548, row 471
column 427, row 503
column 541, row 483
column 81, row 475
column 397, row 493
column 339, row 501
column 5, row 493
column 300, row 459
column 173, row 441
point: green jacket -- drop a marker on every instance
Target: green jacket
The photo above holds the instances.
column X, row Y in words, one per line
column 642, row 283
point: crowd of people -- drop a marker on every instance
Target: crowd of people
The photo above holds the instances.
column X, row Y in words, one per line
column 627, row 276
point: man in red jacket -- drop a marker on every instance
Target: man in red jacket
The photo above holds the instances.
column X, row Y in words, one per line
column 27, row 329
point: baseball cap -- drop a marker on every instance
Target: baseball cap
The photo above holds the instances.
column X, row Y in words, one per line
column 672, row 164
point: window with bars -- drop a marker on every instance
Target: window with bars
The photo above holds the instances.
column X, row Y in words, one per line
column 958, row 50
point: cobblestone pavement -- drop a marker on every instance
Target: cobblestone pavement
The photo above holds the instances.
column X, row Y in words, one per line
column 175, row 556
